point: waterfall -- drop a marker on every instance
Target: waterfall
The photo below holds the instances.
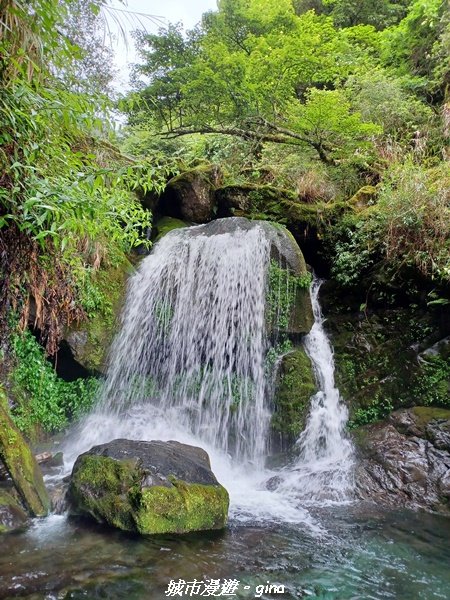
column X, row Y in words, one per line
column 191, row 363
column 324, row 465
column 193, row 342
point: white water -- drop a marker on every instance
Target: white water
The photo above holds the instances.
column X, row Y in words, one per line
column 324, row 467
column 188, row 365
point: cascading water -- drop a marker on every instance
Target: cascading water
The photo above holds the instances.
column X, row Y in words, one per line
column 323, row 469
column 190, row 363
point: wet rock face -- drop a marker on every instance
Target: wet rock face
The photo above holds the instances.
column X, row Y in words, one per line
column 12, row 515
column 20, row 464
column 405, row 461
column 148, row 487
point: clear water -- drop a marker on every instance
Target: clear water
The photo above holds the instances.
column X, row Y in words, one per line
column 360, row 554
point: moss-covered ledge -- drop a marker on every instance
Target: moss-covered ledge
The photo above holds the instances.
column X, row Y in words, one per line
column 91, row 340
column 295, row 384
column 21, row 464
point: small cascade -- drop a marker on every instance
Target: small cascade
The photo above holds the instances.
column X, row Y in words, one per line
column 324, row 466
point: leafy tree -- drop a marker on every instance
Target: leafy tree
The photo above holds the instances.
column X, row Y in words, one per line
column 379, row 13
column 247, row 73
column 420, row 46
column 66, row 202
column 385, row 100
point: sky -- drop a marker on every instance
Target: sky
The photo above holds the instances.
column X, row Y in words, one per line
column 189, row 12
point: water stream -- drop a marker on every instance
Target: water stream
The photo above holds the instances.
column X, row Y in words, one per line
column 324, row 467
column 190, row 364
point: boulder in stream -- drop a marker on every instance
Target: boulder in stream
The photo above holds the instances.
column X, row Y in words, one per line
column 12, row 515
column 148, row 487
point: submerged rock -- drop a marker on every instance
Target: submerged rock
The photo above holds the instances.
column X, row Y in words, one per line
column 21, row 465
column 405, row 461
column 12, row 515
column 148, row 487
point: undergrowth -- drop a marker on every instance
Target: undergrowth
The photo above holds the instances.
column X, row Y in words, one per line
column 42, row 399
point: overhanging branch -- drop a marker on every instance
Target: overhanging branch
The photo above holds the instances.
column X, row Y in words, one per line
column 279, row 135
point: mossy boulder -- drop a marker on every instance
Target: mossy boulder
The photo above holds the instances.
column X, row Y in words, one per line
column 148, row 487
column 12, row 514
column 166, row 224
column 190, row 195
column 89, row 342
column 295, row 384
column 275, row 204
column 21, row 465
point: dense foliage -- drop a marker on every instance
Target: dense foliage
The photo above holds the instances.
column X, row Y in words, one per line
column 323, row 98
column 343, row 105
column 66, row 201
column 42, row 400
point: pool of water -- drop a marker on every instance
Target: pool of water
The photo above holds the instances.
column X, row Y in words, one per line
column 360, row 552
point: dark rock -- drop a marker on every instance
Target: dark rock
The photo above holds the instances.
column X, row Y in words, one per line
column 148, row 487
column 190, row 195
column 405, row 461
column 12, row 514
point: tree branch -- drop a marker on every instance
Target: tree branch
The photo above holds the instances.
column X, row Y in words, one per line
column 281, row 136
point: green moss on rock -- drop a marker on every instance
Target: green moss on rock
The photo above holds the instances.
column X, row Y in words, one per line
column 134, row 496
column 274, row 204
column 182, row 508
column 21, row 464
column 363, row 197
column 166, row 224
column 294, row 387
column 91, row 341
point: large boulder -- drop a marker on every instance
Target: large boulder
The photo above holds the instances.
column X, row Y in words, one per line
column 190, row 195
column 405, row 461
column 148, row 487
column 21, row 465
